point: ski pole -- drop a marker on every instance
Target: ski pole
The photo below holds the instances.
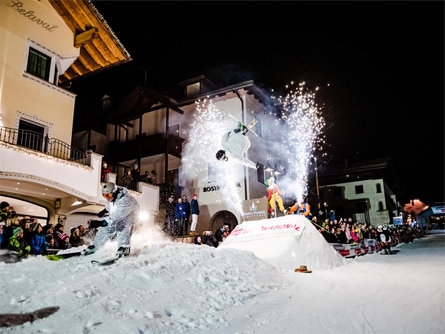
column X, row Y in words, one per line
column 321, row 227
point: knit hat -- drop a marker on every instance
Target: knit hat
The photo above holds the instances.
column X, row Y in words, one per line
column 16, row 231
column 34, row 227
column 4, row 205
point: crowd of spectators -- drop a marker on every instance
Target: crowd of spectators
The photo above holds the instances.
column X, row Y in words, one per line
column 27, row 236
column 347, row 231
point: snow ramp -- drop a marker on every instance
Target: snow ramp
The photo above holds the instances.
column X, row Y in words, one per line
column 285, row 242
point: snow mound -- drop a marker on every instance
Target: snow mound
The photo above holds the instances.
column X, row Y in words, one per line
column 285, row 242
column 165, row 288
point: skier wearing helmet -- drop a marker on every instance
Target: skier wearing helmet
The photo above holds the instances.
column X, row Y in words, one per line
column 123, row 211
column 235, row 143
column 384, row 238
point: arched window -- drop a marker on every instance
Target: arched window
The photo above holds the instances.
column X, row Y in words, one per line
column 379, row 187
column 380, row 206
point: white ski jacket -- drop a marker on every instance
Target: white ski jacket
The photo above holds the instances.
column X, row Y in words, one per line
column 235, row 145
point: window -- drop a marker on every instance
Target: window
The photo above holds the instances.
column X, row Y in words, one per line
column 380, row 206
column 39, row 64
column 193, row 89
column 378, row 188
column 359, row 189
column 260, row 173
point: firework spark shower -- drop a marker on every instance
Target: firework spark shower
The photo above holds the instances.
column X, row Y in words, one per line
column 206, row 131
column 301, row 135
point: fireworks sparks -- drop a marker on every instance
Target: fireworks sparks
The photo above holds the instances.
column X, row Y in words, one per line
column 301, row 134
column 300, row 128
column 199, row 160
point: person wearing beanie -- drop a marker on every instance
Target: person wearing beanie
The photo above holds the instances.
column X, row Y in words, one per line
column 194, row 207
column 38, row 241
column 61, row 239
column 123, row 211
column 17, row 243
column 4, row 211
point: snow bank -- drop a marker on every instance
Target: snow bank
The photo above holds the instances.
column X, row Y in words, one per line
column 285, row 242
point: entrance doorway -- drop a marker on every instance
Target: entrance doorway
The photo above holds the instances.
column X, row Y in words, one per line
column 224, row 218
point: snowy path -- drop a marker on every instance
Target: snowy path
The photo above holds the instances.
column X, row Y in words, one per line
column 178, row 288
column 402, row 293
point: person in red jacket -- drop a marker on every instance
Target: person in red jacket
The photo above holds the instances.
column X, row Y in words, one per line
column 273, row 195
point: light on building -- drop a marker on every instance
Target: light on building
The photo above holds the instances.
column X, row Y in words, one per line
column 77, row 202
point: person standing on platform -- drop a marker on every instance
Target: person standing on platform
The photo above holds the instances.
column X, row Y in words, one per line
column 194, row 207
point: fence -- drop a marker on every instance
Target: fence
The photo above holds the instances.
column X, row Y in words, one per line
column 38, row 142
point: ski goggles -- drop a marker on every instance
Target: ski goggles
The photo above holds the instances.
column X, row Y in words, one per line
column 108, row 195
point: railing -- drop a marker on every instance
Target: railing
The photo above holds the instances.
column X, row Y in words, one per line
column 36, row 141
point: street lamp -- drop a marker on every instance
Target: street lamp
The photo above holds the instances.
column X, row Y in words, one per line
column 316, row 183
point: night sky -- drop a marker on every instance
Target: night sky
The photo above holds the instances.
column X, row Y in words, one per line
column 383, row 61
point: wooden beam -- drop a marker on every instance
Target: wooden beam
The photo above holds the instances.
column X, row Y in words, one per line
column 95, row 54
column 84, row 37
column 88, row 62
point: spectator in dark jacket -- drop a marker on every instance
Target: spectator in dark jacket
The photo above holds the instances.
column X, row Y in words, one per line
column 209, row 239
column 194, row 208
column 341, row 236
column 187, row 213
column 75, row 240
column 61, row 240
column 180, row 217
column 38, row 241
column 169, row 227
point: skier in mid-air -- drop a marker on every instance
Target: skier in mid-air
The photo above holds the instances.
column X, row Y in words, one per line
column 235, row 143
column 123, row 211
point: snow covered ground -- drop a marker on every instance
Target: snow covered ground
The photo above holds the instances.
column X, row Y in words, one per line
column 183, row 288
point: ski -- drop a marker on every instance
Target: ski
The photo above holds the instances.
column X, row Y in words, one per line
column 250, row 126
column 106, row 262
column 57, row 257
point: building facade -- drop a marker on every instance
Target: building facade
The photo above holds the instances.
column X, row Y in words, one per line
column 152, row 130
column 44, row 45
column 360, row 192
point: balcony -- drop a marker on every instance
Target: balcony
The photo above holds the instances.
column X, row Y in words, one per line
column 145, row 146
column 40, row 169
column 37, row 142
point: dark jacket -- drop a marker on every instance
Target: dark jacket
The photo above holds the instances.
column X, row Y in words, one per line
column 187, row 208
column 38, row 244
column 194, row 207
column 219, row 234
column 341, row 237
column 170, row 209
column 180, row 211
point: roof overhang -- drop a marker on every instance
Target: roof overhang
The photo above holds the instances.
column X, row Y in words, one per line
column 99, row 47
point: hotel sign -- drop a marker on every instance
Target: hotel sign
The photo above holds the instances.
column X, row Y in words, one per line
column 255, row 209
column 17, row 5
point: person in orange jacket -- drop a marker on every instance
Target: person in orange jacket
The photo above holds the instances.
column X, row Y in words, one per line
column 301, row 208
column 271, row 197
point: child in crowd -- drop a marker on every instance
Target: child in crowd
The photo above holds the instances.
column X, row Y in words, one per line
column 18, row 244
column 38, row 239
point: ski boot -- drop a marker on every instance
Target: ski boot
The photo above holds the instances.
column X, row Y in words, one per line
column 89, row 250
column 123, row 251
